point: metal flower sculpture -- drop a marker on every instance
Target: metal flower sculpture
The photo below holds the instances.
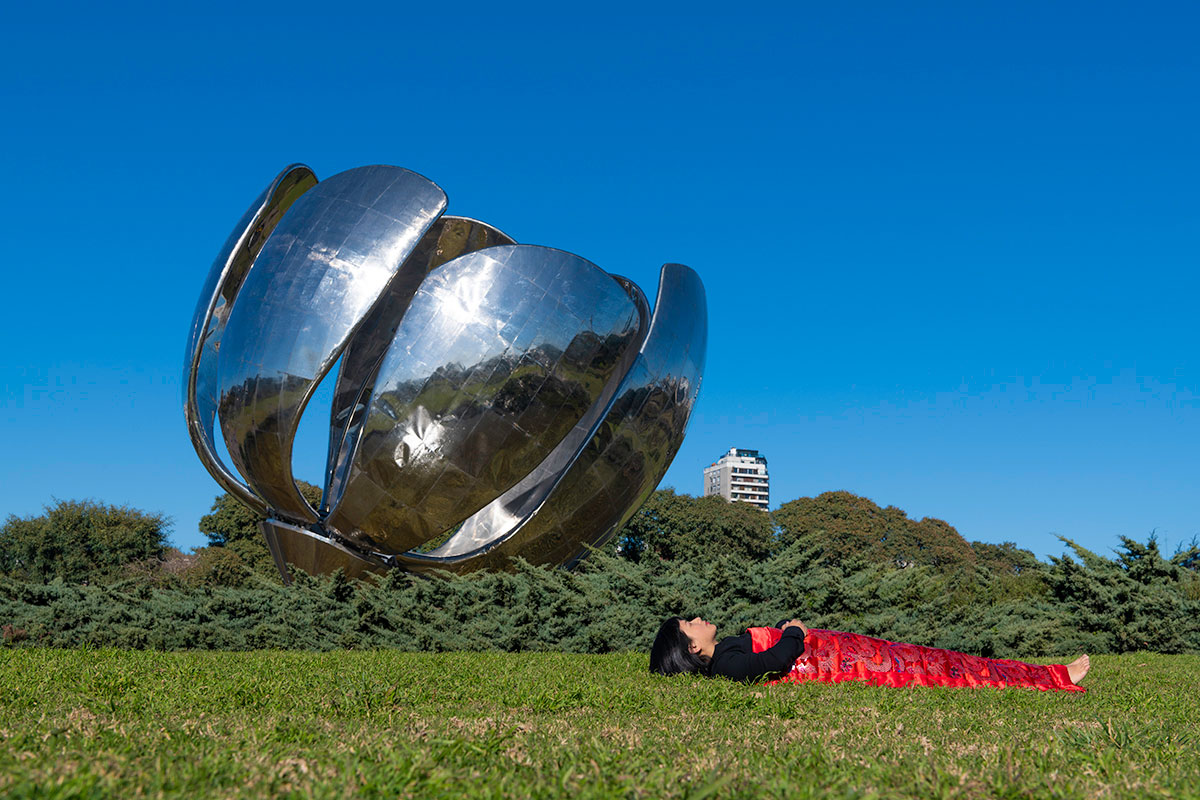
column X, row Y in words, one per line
column 491, row 399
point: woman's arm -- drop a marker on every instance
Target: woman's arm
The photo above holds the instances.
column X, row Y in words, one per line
column 738, row 662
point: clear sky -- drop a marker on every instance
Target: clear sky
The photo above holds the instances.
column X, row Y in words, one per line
column 950, row 248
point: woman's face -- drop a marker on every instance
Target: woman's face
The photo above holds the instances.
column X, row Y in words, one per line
column 702, row 634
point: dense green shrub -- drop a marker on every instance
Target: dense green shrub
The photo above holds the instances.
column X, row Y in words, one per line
column 79, row 540
column 1140, row 601
column 906, row 581
column 610, row 603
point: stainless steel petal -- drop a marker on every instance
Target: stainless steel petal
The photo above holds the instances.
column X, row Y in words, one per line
column 628, row 454
column 318, row 276
column 224, row 280
column 476, row 390
column 501, row 518
column 448, row 238
column 292, row 546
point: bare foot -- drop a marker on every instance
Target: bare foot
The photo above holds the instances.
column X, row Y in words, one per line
column 1078, row 668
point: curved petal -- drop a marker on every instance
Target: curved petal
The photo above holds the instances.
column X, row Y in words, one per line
column 502, row 353
column 314, row 553
column 448, row 238
column 224, row 279
column 318, row 276
column 504, row 516
column 631, row 450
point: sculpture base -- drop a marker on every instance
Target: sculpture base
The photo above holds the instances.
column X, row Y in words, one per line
column 313, row 553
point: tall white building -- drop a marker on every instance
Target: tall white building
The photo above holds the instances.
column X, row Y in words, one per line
column 740, row 475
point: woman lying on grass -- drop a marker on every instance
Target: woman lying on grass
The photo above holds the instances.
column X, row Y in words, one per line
column 792, row 653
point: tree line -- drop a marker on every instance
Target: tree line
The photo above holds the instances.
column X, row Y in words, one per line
column 84, row 573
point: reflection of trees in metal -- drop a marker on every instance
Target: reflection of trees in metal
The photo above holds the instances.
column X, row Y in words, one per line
column 493, row 400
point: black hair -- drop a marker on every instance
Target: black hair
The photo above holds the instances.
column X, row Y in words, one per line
column 670, row 654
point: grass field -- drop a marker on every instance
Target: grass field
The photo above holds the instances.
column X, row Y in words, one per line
column 106, row 723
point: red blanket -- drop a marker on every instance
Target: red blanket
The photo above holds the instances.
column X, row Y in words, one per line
column 834, row 656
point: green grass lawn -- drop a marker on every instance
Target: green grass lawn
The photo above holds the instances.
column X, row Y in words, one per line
column 106, row 723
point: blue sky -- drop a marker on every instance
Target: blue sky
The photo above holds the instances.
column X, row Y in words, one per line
column 950, row 249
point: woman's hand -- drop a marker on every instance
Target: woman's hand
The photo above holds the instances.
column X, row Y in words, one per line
column 795, row 623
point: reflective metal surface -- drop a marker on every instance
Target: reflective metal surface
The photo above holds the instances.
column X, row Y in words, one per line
column 320, row 272
column 313, row 553
column 448, row 238
column 493, row 399
column 212, row 312
column 629, row 452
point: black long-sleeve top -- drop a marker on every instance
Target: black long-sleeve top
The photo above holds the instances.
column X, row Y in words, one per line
column 734, row 657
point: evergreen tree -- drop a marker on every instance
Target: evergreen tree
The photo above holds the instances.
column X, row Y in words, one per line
column 1138, row 602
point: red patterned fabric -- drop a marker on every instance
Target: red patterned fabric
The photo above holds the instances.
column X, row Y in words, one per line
column 834, row 656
